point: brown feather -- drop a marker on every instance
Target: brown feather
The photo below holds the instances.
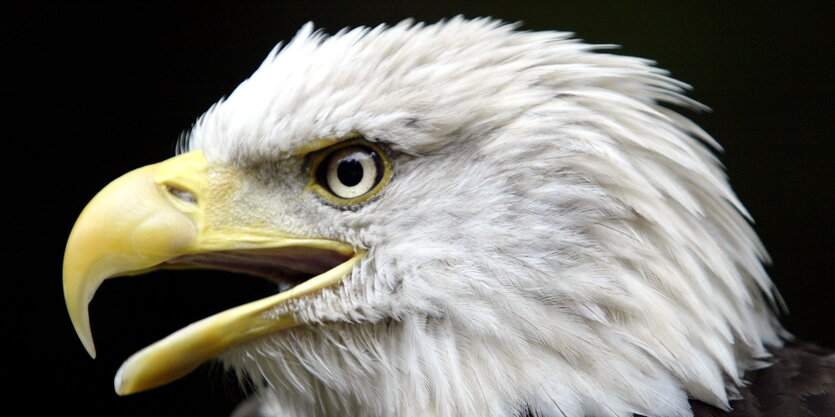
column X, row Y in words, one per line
column 800, row 382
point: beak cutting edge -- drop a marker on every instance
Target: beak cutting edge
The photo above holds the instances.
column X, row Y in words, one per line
column 158, row 213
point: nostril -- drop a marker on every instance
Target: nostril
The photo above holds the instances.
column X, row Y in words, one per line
column 181, row 194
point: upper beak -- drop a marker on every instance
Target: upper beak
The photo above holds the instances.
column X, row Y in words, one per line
column 173, row 213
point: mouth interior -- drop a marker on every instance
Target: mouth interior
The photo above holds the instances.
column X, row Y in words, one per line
column 287, row 266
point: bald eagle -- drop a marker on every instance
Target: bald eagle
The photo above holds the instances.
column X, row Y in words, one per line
column 462, row 219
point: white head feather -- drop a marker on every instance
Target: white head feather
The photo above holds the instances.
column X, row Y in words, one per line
column 554, row 238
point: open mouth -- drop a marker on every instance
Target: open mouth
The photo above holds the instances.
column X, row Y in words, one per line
column 299, row 271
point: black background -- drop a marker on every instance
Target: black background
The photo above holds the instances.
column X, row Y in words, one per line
column 91, row 91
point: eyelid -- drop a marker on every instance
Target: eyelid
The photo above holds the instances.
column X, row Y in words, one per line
column 319, row 144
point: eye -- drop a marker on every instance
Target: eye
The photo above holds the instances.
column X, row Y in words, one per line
column 350, row 173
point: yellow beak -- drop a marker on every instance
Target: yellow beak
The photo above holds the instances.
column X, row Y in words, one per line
column 173, row 214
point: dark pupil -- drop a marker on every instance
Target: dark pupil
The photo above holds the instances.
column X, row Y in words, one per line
column 349, row 171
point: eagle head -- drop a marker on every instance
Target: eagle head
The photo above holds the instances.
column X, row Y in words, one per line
column 462, row 219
